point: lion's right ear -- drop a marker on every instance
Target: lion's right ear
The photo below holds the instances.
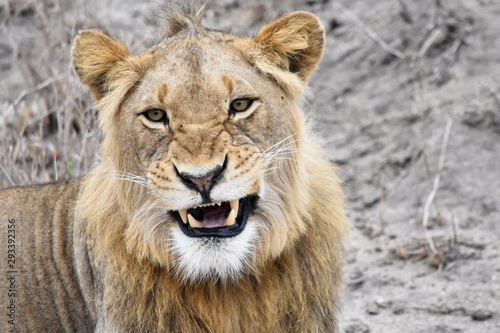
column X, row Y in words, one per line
column 94, row 55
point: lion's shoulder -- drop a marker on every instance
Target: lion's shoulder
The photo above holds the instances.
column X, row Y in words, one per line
column 39, row 256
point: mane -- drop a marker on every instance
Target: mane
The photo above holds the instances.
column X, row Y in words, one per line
column 183, row 16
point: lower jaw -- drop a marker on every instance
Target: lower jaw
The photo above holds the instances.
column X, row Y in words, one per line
column 247, row 205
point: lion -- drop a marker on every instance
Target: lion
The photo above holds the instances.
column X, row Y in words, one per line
column 212, row 207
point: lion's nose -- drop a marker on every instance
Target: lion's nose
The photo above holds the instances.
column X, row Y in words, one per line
column 205, row 182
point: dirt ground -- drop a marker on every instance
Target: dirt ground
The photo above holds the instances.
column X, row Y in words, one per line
column 406, row 100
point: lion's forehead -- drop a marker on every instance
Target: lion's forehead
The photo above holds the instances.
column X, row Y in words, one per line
column 208, row 45
column 197, row 56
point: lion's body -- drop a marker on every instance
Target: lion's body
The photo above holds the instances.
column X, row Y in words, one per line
column 46, row 292
column 107, row 253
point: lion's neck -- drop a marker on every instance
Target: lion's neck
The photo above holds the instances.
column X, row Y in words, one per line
column 283, row 297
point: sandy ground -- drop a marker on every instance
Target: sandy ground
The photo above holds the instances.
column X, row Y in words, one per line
column 406, row 100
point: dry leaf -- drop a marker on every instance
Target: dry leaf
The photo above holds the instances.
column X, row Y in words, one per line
column 422, row 255
column 400, row 252
column 435, row 260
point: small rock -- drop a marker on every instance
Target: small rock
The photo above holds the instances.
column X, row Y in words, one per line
column 373, row 309
column 356, row 284
column 481, row 315
column 357, row 327
column 398, row 311
column 482, row 119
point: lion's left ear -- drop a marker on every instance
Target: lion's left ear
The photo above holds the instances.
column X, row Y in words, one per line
column 294, row 42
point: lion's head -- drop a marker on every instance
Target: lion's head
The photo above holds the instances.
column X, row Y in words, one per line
column 202, row 167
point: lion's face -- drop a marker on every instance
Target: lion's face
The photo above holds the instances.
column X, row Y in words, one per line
column 214, row 138
column 201, row 131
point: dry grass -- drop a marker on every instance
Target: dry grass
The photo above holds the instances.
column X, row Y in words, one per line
column 46, row 118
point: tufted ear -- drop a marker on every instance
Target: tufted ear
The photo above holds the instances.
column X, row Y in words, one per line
column 294, row 42
column 94, row 56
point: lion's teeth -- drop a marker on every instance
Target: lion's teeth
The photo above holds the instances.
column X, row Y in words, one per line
column 208, row 205
column 194, row 223
column 219, row 203
column 229, row 221
column 235, row 205
column 183, row 214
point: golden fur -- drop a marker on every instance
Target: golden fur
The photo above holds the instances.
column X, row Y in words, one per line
column 128, row 257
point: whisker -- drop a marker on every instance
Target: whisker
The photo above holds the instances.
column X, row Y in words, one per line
column 277, row 160
column 277, row 156
column 269, row 171
column 281, row 153
column 281, row 148
column 279, row 142
column 146, row 185
column 125, row 176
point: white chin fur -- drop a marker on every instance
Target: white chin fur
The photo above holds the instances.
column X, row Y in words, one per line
column 200, row 259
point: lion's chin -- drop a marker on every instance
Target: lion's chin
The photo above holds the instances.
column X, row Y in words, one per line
column 220, row 220
column 204, row 259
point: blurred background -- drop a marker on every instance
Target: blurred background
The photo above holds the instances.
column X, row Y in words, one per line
column 406, row 101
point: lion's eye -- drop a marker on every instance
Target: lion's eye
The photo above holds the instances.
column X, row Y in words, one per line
column 156, row 115
column 241, row 104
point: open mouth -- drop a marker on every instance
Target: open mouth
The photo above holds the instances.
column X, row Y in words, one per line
column 217, row 219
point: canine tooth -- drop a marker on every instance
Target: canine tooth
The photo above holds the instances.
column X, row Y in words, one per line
column 229, row 221
column 235, row 205
column 219, row 203
column 194, row 223
column 183, row 214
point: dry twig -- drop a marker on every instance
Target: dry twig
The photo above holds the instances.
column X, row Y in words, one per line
column 454, row 229
column 435, row 186
column 372, row 34
column 381, row 211
column 8, row 177
column 25, row 92
column 436, row 37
